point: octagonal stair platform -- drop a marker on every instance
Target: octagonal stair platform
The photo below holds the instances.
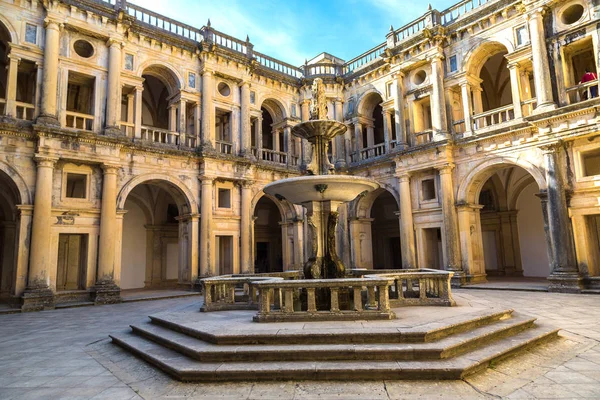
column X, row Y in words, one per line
column 228, row 350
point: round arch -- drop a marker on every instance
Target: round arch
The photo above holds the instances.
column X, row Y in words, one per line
column 275, row 107
column 476, row 56
column 286, row 209
column 164, row 72
column 9, row 28
column 368, row 101
column 24, row 194
column 470, row 186
column 181, row 193
column 362, row 206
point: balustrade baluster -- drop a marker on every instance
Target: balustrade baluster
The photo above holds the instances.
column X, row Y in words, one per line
column 311, row 301
column 358, row 299
column 422, row 289
column 384, row 300
column 371, row 301
column 335, row 306
column 289, row 301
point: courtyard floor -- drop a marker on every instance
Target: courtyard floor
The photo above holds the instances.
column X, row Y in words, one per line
column 66, row 354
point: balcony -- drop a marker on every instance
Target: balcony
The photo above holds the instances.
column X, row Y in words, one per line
column 224, row 147
column 423, row 137
column 274, row 156
column 528, row 106
column 128, row 129
column 157, row 135
column 582, row 92
column 494, row 117
column 25, row 111
column 79, row 121
column 367, row 153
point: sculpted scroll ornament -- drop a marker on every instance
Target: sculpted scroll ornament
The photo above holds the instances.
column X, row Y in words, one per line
column 318, row 103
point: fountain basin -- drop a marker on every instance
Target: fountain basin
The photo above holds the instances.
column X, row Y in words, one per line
column 325, row 128
column 337, row 188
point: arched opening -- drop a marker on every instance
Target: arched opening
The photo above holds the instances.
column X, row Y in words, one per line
column 270, row 137
column 385, row 232
column 513, row 240
column 155, row 245
column 495, row 82
column 371, row 120
column 160, row 114
column 268, row 254
column 9, row 226
column 492, row 95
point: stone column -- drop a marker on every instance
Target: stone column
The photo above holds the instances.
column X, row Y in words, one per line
column 438, row 103
column 208, row 111
column 407, row 234
column 453, row 262
column 50, row 74
column 106, row 291
column 113, row 101
column 182, row 122
column 206, row 210
column 139, row 90
column 515, row 89
column 565, row 275
column 340, row 161
column 197, row 114
column 541, row 76
column 245, row 227
column 246, row 125
column 465, row 90
column 259, row 141
column 11, row 86
column 38, row 295
column 387, row 130
column 401, row 141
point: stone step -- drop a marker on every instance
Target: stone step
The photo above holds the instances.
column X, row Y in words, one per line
column 444, row 348
column 427, row 333
column 74, row 304
column 187, row 369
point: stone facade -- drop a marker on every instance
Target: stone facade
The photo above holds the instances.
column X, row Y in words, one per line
column 134, row 148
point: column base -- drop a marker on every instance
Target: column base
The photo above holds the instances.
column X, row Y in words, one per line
column 112, row 131
column 439, row 136
column 565, row 282
column 38, row 299
column 458, row 279
column 106, row 293
column 544, row 107
column 49, row 120
column 475, row 278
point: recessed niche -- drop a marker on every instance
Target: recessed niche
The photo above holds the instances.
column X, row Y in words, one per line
column 83, row 48
column 419, row 77
column 572, row 14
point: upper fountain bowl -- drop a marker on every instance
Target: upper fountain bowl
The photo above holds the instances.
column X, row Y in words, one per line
column 340, row 188
column 325, row 128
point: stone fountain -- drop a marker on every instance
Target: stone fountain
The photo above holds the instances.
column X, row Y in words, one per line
column 321, row 192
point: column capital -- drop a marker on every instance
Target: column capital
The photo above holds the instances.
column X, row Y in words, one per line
column 551, row 148
column 207, row 72
column 246, row 183
column 403, row 176
column 206, row 180
column 45, row 160
column 115, row 41
column 244, row 84
column 445, row 169
column 50, row 23
column 110, row 169
column 537, row 12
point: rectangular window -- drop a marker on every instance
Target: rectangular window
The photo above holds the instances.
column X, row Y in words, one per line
column 252, row 97
column 522, row 35
column 192, row 80
column 76, row 186
column 453, row 64
column 31, row 33
column 591, row 163
column 428, row 189
column 389, row 89
column 129, row 62
column 224, row 198
column 294, row 112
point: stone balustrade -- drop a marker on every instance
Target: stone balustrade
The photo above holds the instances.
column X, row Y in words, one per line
column 366, row 294
column 345, row 299
column 220, row 291
column 415, row 287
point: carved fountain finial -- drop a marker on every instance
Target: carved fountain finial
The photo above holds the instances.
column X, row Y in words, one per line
column 318, row 103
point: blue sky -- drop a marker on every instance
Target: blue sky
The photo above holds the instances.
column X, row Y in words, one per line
column 295, row 30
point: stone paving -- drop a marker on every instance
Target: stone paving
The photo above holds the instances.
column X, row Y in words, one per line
column 66, row 354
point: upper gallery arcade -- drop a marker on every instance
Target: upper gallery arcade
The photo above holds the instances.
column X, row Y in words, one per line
column 134, row 148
